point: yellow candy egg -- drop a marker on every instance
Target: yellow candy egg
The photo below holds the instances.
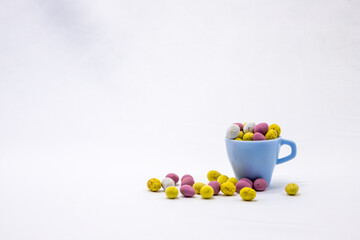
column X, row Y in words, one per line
column 171, row 192
column 228, row 188
column 248, row 136
column 247, row 193
column 271, row 134
column 241, row 134
column 154, row 184
column 276, row 128
column 292, row 188
column 238, row 139
column 232, row 180
column 213, row 175
column 222, row 179
column 197, row 186
column 207, row 192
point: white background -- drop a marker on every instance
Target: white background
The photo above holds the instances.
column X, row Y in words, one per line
column 96, row 97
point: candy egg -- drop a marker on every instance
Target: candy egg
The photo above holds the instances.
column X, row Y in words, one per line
column 248, row 136
column 188, row 181
column 241, row 134
column 228, row 188
column 292, row 188
column 232, row 131
column 232, row 180
column 240, row 126
column 187, row 191
column 258, row 137
column 185, row 176
column 249, row 127
column 260, row 184
column 173, row 176
column 247, row 194
column 248, row 181
column 216, row 186
column 276, row 128
column 213, row 175
column 154, row 184
column 241, row 184
column 197, row 186
column 171, row 192
column 167, row 182
column 207, row 192
column 223, row 178
column 238, row 139
column 261, row 128
column 271, row 134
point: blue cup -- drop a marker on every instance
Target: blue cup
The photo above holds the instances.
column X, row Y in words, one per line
column 257, row 159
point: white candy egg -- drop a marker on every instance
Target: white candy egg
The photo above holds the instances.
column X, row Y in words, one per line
column 249, row 127
column 232, row 131
column 167, row 182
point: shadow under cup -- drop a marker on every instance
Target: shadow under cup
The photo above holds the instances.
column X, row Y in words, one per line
column 257, row 159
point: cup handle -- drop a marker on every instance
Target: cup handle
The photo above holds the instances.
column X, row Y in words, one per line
column 292, row 154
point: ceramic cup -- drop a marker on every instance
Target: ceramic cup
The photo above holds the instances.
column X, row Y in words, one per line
column 257, row 159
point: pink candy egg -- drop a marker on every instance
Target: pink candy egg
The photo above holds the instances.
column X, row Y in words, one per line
column 173, row 176
column 241, row 184
column 185, row 176
column 247, row 180
column 258, row 137
column 260, row 184
column 187, row 181
column 261, row 128
column 187, row 191
column 216, row 186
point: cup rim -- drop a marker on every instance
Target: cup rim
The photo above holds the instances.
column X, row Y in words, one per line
column 253, row 142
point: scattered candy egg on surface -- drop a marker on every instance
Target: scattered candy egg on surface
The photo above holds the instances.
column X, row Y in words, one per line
column 261, row 128
column 173, row 176
column 167, row 182
column 207, row 192
column 247, row 194
column 271, row 134
column 187, row 191
column 276, row 128
column 197, row 186
column 216, row 186
column 248, row 181
column 248, row 136
column 213, row 175
column 188, row 181
column 154, row 184
column 228, row 188
column 240, row 126
column 258, row 137
column 185, row 176
column 260, row 184
column 241, row 184
column 249, row 127
column 292, row 188
column 222, row 178
column 233, row 131
column 233, row 180
column 171, row 192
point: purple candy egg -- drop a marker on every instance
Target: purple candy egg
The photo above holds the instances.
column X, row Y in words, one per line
column 187, row 181
column 185, row 176
column 260, row 184
column 187, row 191
column 258, row 137
column 241, row 184
column 261, row 128
column 216, row 186
column 173, row 176
column 240, row 126
column 247, row 180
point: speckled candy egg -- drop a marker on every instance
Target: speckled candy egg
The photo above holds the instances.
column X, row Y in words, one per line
column 258, row 137
column 228, row 188
column 187, row 191
column 241, row 184
column 241, row 134
column 197, row 186
column 171, row 192
column 271, row 134
column 167, row 182
column 232, row 131
column 261, row 128
column 173, row 176
column 248, row 181
column 248, row 136
column 240, row 126
column 185, row 176
column 249, row 127
column 187, row 181
column 216, row 186
column 292, row 188
column 247, row 194
column 154, row 184
column 260, row 184
column 213, row 175
column 276, row 128
column 222, row 178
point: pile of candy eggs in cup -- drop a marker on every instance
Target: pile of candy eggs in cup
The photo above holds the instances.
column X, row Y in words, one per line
column 253, row 132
